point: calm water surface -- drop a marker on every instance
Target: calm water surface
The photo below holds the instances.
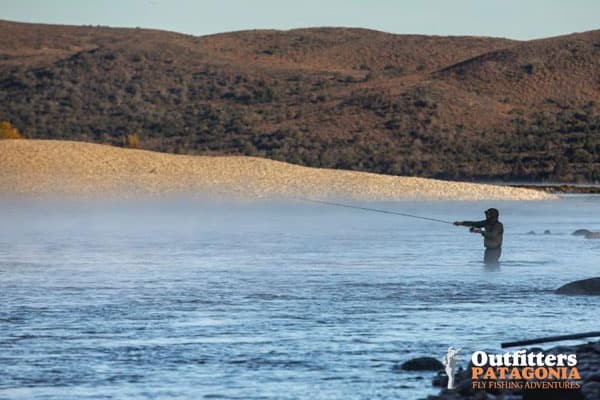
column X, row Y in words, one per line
column 185, row 299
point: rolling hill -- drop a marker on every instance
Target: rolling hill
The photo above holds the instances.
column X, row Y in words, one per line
column 469, row 108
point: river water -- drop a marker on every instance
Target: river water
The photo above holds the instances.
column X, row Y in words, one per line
column 186, row 299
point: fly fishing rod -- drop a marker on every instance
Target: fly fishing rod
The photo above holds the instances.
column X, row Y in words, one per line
column 330, row 203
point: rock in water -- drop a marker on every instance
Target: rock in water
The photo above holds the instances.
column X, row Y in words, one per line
column 585, row 287
column 581, row 232
column 440, row 380
column 422, row 364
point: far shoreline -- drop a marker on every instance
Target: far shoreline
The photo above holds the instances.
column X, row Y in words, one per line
column 560, row 188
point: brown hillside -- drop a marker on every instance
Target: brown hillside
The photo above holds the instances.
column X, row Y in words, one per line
column 562, row 69
column 355, row 51
column 330, row 49
column 447, row 107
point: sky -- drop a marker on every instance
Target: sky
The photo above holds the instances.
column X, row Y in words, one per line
column 514, row 19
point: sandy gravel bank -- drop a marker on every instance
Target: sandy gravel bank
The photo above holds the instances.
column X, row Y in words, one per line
column 49, row 167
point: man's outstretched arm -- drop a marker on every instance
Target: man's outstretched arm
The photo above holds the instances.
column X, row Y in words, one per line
column 472, row 224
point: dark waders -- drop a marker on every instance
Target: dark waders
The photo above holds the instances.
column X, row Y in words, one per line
column 492, row 256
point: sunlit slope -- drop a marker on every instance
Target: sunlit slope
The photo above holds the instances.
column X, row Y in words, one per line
column 49, row 167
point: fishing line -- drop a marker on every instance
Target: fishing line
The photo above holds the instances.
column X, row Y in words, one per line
column 330, row 203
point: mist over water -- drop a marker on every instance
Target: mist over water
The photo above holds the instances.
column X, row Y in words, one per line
column 271, row 300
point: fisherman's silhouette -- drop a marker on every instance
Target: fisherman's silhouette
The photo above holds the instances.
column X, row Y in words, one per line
column 492, row 231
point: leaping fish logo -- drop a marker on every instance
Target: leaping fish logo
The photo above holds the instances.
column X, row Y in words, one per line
column 450, row 360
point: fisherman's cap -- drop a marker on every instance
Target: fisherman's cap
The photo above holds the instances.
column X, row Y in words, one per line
column 492, row 212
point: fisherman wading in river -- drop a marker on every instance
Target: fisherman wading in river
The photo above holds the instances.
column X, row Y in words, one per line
column 492, row 231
